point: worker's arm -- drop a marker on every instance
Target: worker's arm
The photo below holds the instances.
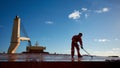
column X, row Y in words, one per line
column 81, row 43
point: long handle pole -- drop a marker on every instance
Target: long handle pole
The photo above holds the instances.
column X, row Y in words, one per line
column 87, row 52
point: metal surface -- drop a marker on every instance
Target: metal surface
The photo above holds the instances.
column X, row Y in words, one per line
column 50, row 57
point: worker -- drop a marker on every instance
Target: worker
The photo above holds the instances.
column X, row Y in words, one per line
column 74, row 44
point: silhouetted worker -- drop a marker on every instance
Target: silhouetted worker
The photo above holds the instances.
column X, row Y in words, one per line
column 74, row 44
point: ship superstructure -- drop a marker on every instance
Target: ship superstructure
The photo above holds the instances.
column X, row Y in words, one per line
column 35, row 49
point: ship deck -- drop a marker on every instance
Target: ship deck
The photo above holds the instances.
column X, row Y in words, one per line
column 28, row 57
column 56, row 61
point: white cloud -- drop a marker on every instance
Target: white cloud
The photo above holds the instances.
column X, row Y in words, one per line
column 116, row 49
column 74, row 15
column 116, row 39
column 98, row 11
column 84, row 9
column 103, row 10
column 106, row 53
column 86, row 15
column 102, row 40
column 49, row 22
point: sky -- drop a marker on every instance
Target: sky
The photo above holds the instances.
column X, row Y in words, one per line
column 52, row 23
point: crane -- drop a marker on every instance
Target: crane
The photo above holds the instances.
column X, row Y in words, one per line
column 15, row 38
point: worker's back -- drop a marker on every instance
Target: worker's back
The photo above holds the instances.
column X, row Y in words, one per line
column 75, row 38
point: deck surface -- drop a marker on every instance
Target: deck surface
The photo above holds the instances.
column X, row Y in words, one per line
column 55, row 61
column 52, row 58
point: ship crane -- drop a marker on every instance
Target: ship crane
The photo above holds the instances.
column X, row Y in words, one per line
column 22, row 28
column 16, row 39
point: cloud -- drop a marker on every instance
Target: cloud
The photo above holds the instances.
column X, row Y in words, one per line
column 74, row 15
column 49, row 22
column 84, row 12
column 84, row 9
column 86, row 15
column 103, row 10
column 116, row 39
column 102, row 40
column 106, row 53
column 116, row 49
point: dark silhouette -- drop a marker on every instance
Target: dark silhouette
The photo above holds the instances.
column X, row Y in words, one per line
column 74, row 44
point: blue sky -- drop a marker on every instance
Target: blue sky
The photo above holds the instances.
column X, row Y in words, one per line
column 53, row 23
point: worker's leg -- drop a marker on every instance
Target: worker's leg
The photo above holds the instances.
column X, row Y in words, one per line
column 78, row 50
column 72, row 49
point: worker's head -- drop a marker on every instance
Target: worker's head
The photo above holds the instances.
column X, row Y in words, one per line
column 80, row 34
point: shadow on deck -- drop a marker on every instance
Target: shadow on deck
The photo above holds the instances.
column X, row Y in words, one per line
column 59, row 64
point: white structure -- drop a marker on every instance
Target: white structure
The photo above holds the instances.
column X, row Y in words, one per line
column 15, row 39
